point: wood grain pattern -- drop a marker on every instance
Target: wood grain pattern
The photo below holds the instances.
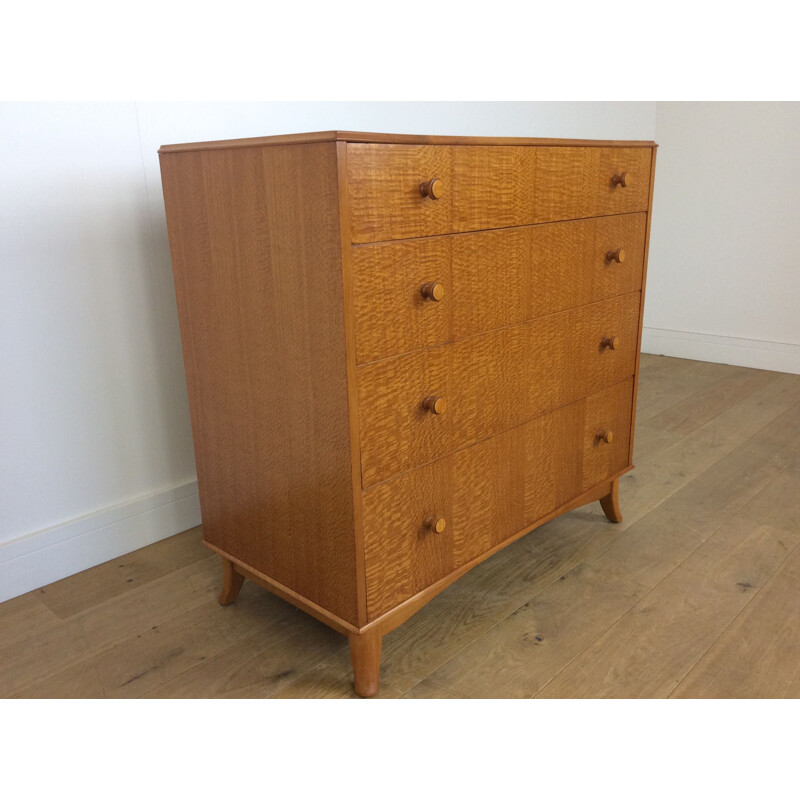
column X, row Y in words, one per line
column 516, row 658
column 480, row 378
column 487, row 493
column 676, row 623
column 255, row 241
column 610, row 504
column 231, row 582
column 365, row 653
column 352, row 379
column 320, row 613
column 491, row 382
column 395, row 138
column 123, row 575
column 390, row 314
column 492, row 279
column 486, row 187
column 644, row 283
column 574, row 183
column 758, row 656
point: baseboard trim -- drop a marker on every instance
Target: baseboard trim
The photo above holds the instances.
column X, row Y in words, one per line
column 774, row 356
column 32, row 561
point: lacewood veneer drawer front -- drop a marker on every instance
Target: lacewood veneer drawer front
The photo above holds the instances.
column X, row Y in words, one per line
column 405, row 191
column 484, row 494
column 489, row 382
column 423, row 292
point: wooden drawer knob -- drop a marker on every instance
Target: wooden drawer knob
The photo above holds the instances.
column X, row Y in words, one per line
column 435, row 405
column 622, row 180
column 617, row 255
column 432, row 291
column 435, row 524
column 434, row 188
column 611, row 342
column 605, row 436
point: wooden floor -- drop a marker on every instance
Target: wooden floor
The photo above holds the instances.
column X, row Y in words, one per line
column 696, row 594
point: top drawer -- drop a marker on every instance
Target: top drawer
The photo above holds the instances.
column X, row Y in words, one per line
column 483, row 186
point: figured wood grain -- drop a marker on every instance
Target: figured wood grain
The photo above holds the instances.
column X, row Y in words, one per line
column 487, row 187
column 487, row 493
column 644, row 283
column 491, row 381
column 352, row 379
column 390, row 314
column 491, row 279
column 574, row 183
column 256, row 249
column 607, row 411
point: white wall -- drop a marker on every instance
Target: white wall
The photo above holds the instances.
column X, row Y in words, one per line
column 723, row 280
column 95, row 448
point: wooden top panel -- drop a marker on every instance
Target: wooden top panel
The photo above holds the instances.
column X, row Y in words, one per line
column 395, row 138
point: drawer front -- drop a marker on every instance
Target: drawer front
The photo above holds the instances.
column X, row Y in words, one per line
column 481, row 187
column 487, row 493
column 488, row 280
column 574, row 182
column 488, row 383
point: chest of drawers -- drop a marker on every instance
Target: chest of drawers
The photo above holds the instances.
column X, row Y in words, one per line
column 402, row 353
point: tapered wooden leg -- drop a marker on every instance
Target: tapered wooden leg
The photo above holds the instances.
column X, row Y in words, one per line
column 610, row 503
column 231, row 583
column 365, row 652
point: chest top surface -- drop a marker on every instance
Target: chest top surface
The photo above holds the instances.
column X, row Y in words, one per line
column 397, row 138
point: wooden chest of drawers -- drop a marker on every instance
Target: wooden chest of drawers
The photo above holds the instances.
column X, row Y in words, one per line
column 402, row 353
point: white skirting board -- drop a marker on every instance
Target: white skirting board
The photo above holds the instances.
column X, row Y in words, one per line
column 39, row 558
column 775, row 356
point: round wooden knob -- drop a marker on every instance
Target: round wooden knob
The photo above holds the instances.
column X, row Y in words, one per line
column 435, row 524
column 434, row 188
column 617, row 255
column 621, row 179
column 432, row 291
column 611, row 342
column 435, row 405
column 605, row 436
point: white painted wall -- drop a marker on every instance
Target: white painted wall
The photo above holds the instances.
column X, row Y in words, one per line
column 95, row 448
column 724, row 271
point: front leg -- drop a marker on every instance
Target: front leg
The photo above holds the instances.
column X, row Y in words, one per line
column 365, row 653
column 610, row 503
column 231, row 582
